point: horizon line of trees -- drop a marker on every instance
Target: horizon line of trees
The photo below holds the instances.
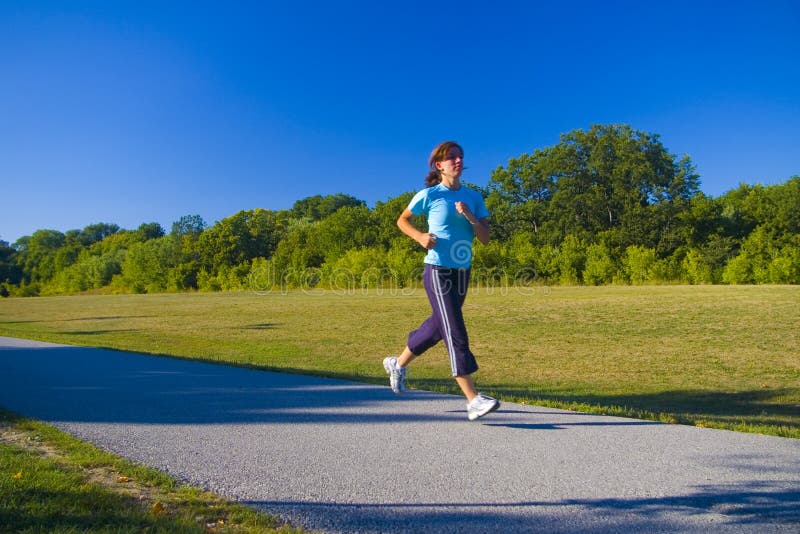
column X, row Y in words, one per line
column 608, row 205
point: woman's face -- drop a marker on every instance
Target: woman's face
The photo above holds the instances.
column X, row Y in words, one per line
column 453, row 163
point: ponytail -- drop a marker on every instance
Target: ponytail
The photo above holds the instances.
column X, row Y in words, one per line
column 434, row 178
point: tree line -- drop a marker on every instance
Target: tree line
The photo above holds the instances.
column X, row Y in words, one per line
column 607, row 205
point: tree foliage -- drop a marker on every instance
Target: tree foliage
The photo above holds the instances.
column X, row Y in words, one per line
column 318, row 207
column 610, row 181
column 605, row 205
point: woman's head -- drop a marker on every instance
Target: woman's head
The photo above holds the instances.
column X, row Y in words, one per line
column 447, row 151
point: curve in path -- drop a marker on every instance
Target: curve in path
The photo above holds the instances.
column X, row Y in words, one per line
column 347, row 457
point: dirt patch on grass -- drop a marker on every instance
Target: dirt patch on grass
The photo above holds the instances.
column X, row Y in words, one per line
column 206, row 510
column 107, row 477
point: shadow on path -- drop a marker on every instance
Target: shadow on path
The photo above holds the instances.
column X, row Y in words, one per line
column 755, row 504
column 80, row 385
column 75, row 384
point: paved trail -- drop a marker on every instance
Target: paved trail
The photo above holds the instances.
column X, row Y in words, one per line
column 347, row 457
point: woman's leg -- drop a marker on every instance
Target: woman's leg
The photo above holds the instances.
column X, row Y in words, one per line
column 467, row 386
column 429, row 332
column 448, row 291
column 405, row 357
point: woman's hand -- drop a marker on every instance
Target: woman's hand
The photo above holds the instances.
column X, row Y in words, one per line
column 428, row 241
column 481, row 226
column 464, row 210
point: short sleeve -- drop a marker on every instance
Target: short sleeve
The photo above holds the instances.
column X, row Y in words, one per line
column 417, row 206
column 480, row 212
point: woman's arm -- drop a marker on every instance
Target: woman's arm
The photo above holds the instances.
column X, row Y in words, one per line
column 481, row 226
column 426, row 240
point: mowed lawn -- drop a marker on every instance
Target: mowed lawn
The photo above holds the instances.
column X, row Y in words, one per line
column 718, row 356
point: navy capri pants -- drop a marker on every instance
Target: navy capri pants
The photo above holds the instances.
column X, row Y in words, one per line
column 447, row 290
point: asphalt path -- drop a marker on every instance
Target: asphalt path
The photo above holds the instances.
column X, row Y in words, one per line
column 340, row 456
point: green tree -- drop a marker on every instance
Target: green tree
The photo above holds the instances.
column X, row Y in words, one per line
column 146, row 266
column 492, row 264
column 185, row 235
column 772, row 207
column 638, row 264
column 624, row 183
column 571, row 260
column 297, row 252
column 360, row 268
column 609, row 180
column 88, row 272
column 600, row 267
column 766, row 257
column 191, row 225
column 10, row 272
column 785, row 215
column 240, row 238
column 739, row 270
column 546, row 263
column 784, row 268
column 736, row 216
column 696, row 269
column 97, row 232
column 519, row 194
column 318, row 207
column 404, row 262
column 385, row 215
column 349, row 227
column 147, row 231
column 37, row 254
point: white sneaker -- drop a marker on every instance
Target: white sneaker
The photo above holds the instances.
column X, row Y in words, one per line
column 480, row 406
column 397, row 374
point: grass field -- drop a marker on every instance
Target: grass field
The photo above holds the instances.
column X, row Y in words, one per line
column 51, row 482
column 717, row 356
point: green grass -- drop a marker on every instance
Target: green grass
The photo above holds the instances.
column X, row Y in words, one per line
column 52, row 482
column 717, row 356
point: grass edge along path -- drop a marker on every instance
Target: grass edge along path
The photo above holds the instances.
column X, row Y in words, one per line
column 446, row 387
column 724, row 357
column 613, row 410
column 53, row 482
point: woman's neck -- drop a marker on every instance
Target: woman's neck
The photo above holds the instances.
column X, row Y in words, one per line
column 451, row 182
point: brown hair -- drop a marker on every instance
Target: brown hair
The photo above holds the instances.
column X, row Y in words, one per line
column 439, row 154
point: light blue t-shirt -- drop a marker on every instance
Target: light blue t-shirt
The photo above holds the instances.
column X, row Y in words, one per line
column 453, row 231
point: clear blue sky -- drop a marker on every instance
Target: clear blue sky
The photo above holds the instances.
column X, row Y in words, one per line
column 133, row 112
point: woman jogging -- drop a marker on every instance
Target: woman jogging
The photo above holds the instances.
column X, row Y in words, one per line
column 456, row 215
